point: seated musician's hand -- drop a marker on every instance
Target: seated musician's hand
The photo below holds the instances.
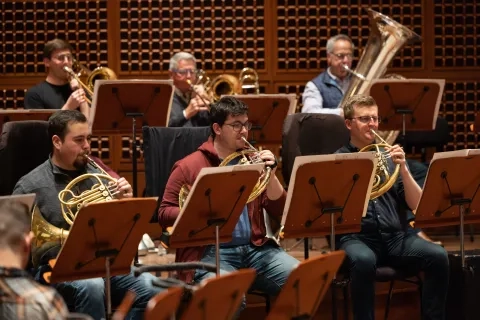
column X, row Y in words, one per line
column 269, row 158
column 76, row 99
column 397, row 154
column 124, row 189
column 195, row 106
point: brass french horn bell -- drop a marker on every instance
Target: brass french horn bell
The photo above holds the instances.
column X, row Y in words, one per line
column 383, row 179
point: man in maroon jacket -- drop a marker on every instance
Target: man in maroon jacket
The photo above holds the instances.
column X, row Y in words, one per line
column 249, row 248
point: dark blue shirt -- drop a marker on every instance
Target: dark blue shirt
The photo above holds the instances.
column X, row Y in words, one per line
column 386, row 213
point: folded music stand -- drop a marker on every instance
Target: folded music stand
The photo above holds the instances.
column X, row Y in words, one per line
column 450, row 191
column 323, row 187
column 299, row 298
column 267, row 113
column 25, row 115
column 213, row 207
column 102, row 242
column 419, row 99
column 117, row 104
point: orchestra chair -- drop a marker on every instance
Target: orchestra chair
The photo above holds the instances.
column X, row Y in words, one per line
column 24, row 145
column 164, row 305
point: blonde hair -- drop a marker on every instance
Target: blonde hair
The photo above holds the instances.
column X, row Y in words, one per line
column 359, row 100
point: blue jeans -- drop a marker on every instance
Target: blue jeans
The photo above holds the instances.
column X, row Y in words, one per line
column 272, row 263
column 405, row 251
column 88, row 296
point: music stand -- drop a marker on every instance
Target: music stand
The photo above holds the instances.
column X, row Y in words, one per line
column 325, row 186
column 117, row 104
column 306, row 286
column 449, row 193
column 267, row 113
column 102, row 242
column 25, row 115
column 419, row 99
column 213, row 207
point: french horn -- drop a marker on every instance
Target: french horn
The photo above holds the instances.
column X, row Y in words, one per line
column 385, row 39
column 48, row 236
column 246, row 156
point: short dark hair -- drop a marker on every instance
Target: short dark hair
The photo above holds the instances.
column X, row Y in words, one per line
column 55, row 44
column 14, row 223
column 226, row 106
column 59, row 121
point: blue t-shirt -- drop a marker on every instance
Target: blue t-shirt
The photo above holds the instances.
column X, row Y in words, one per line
column 242, row 232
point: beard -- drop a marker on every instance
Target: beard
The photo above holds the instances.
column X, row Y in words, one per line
column 80, row 162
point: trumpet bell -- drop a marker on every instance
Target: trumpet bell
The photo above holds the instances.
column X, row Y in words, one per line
column 384, row 179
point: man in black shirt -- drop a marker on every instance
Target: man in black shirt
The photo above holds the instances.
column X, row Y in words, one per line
column 189, row 108
column 56, row 91
column 383, row 239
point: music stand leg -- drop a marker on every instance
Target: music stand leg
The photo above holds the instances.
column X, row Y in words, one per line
column 217, row 249
column 462, row 236
column 108, row 288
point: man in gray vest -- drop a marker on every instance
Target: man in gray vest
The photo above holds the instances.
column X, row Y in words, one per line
column 324, row 93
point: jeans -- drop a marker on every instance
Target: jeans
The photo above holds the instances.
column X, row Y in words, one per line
column 400, row 250
column 88, row 296
column 272, row 263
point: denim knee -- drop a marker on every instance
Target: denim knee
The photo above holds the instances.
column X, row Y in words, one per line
column 437, row 258
column 94, row 289
column 363, row 264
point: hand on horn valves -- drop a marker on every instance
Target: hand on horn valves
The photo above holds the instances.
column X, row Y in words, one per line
column 397, row 154
column 123, row 189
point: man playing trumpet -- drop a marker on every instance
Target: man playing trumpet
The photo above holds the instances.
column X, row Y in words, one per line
column 68, row 131
column 383, row 238
column 58, row 91
column 190, row 103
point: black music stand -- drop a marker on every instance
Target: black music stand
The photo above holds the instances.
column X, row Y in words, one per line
column 267, row 113
column 102, row 242
column 449, row 193
column 419, row 99
column 213, row 207
column 117, row 104
column 25, row 115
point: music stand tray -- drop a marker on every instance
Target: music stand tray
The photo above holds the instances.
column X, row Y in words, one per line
column 450, row 191
column 102, row 241
column 417, row 110
column 306, row 286
column 267, row 113
column 25, row 115
column 213, row 206
column 328, row 194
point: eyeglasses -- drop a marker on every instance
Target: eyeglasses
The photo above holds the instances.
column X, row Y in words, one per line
column 366, row 119
column 238, row 126
column 342, row 56
column 184, row 72
column 62, row 57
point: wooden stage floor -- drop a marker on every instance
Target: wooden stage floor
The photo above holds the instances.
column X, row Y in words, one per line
column 405, row 303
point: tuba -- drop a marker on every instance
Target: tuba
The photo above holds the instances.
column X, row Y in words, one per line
column 386, row 37
column 48, row 236
column 247, row 156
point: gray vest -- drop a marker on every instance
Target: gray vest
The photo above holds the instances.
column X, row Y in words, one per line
column 329, row 89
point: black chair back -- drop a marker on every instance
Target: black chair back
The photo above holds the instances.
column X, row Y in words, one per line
column 24, row 145
column 162, row 147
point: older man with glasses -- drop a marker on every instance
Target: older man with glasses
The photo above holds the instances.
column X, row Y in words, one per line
column 324, row 93
column 190, row 102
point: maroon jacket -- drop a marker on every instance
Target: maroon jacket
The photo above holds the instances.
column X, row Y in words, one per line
column 185, row 171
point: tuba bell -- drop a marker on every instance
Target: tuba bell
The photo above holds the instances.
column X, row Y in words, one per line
column 48, row 236
column 386, row 37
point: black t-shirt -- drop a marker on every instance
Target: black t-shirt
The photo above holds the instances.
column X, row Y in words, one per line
column 47, row 96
